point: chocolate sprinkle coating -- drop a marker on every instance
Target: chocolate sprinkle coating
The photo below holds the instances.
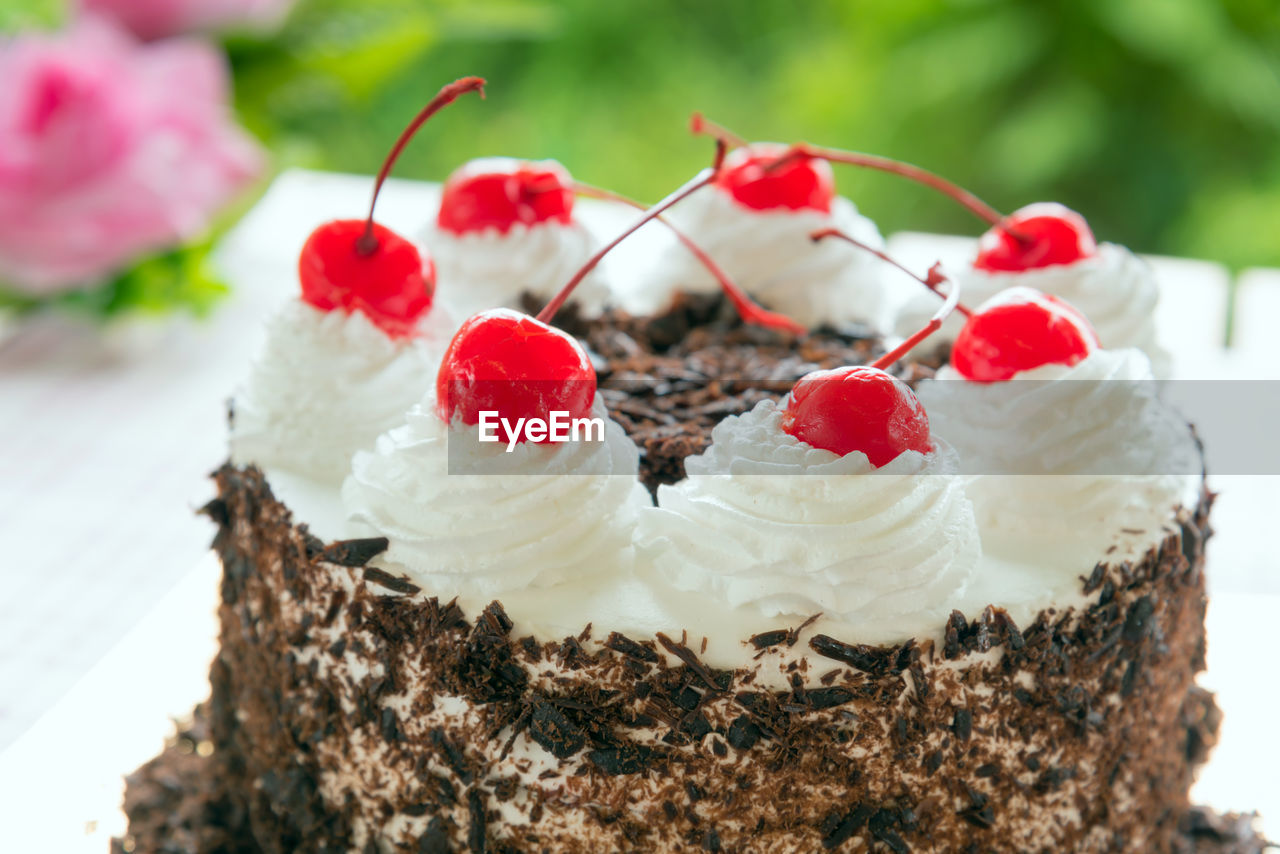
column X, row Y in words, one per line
column 953, row 752
column 178, row 803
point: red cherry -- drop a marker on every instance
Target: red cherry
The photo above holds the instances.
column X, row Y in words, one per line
column 1044, row 234
column 859, row 408
column 498, row 192
column 507, row 362
column 350, row 264
column 393, row 285
column 756, row 180
column 1019, row 329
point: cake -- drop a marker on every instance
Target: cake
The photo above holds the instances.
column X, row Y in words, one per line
column 741, row 619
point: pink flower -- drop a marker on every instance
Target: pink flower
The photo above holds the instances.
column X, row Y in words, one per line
column 109, row 149
column 150, row 19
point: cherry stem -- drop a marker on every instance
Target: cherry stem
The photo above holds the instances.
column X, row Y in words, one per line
column 931, row 281
column 935, row 323
column 367, row 244
column 906, row 170
column 701, row 125
column 697, row 182
column 747, row 309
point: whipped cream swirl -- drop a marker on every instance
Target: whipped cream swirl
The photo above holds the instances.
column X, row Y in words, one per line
column 768, row 521
column 1061, row 458
column 769, row 254
column 488, row 269
column 541, row 515
column 326, row 385
column 1114, row 288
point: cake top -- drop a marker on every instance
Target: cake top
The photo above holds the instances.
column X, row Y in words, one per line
column 793, row 466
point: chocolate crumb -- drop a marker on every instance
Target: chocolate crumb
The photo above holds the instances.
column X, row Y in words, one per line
column 476, row 836
column 550, row 728
column 682, row 652
column 869, row 659
column 625, row 645
column 794, row 634
column 826, row 698
column 354, row 553
column 623, row 759
column 743, row 734
column 399, row 584
column 765, row 640
column 962, row 724
column 847, row 826
column 435, row 840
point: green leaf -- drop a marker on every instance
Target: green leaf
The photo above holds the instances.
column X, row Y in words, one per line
column 182, row 280
column 17, row 15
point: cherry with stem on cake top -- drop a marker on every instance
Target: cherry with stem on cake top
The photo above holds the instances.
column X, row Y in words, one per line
column 1033, row 237
column 805, row 153
column 753, row 177
column 500, row 193
column 359, row 265
column 1017, row 330
column 1036, row 236
column 750, row 311
column 864, row 407
column 1043, row 234
column 519, row 366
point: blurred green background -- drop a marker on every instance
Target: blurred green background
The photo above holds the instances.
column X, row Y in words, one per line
column 1157, row 119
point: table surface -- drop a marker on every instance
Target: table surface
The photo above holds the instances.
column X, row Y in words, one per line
column 108, row 437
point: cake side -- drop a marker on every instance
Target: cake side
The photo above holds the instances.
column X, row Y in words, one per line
column 348, row 708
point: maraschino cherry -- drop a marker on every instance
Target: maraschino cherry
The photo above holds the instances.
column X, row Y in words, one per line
column 500, row 192
column 359, row 265
column 1017, row 330
column 863, row 407
column 753, row 176
column 521, row 367
column 503, row 361
column 1033, row 237
column 1048, row 234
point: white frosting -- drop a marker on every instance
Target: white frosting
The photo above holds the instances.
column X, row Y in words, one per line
column 1114, row 288
column 1061, row 458
column 769, row 255
column 488, row 269
column 768, row 521
column 544, row 514
column 326, row 385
